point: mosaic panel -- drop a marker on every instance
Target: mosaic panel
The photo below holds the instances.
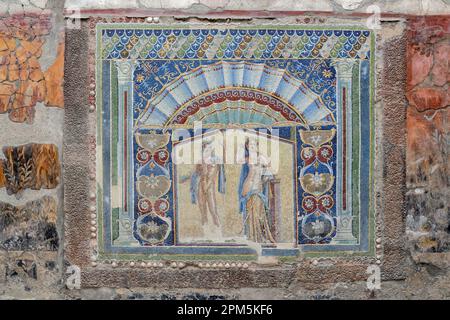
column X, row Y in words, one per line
column 233, row 142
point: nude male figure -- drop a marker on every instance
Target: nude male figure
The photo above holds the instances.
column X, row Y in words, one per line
column 207, row 192
column 208, row 177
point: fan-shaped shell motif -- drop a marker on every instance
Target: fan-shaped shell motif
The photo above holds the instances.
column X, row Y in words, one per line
column 242, row 80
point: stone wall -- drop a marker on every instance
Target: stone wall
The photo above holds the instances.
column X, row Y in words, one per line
column 32, row 193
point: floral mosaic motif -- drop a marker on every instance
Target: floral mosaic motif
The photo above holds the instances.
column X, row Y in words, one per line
column 234, row 43
column 316, row 175
column 153, row 228
column 153, row 182
column 34, row 166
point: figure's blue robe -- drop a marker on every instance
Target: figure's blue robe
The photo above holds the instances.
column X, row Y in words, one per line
column 264, row 195
column 195, row 179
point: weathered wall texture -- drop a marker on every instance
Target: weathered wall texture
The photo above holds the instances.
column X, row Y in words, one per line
column 32, row 55
column 31, row 111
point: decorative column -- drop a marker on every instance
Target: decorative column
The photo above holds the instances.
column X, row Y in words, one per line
column 125, row 163
column 344, row 235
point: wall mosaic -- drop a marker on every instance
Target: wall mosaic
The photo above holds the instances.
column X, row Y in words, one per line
column 307, row 91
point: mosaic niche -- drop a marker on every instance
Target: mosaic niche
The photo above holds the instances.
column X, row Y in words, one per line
column 233, row 143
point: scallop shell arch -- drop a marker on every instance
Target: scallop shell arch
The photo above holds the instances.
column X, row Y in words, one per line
column 244, row 81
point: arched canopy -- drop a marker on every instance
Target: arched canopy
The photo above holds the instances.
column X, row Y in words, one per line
column 255, row 84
